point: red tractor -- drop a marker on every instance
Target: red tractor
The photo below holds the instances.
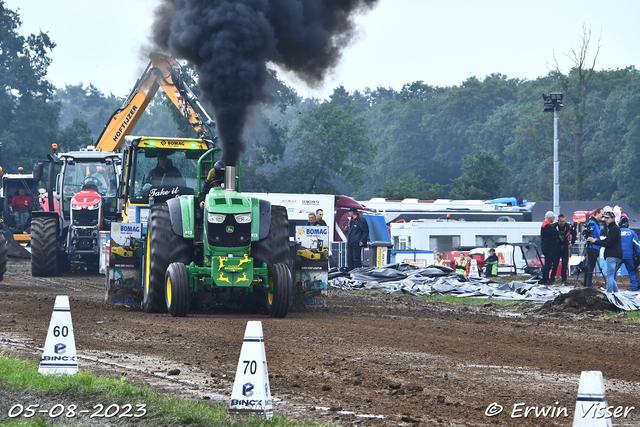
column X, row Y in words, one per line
column 75, row 208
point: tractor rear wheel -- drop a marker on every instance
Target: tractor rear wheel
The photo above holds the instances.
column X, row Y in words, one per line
column 177, row 291
column 279, row 298
column 163, row 247
column 4, row 251
column 44, row 259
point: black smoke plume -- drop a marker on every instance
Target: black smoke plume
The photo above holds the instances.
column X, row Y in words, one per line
column 230, row 42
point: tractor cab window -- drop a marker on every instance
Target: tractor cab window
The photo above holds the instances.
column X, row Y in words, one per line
column 159, row 171
column 97, row 176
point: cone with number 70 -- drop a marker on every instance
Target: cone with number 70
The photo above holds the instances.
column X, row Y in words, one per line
column 251, row 392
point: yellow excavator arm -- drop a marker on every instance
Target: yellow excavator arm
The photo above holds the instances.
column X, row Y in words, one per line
column 162, row 72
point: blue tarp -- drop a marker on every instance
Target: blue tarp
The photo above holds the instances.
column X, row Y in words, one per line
column 378, row 231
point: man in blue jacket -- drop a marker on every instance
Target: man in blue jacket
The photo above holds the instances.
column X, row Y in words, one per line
column 356, row 239
column 630, row 249
column 593, row 251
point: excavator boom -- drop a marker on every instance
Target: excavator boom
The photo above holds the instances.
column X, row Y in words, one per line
column 162, row 72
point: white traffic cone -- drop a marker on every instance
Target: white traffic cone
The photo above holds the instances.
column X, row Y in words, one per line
column 473, row 269
column 251, row 392
column 591, row 404
column 59, row 355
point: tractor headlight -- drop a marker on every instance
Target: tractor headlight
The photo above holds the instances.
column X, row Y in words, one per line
column 93, row 207
column 243, row 218
column 215, row 218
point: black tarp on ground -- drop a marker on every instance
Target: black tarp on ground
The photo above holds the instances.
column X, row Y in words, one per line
column 438, row 280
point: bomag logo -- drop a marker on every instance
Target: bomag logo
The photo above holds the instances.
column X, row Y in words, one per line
column 116, row 228
column 316, row 231
column 172, row 143
column 130, row 228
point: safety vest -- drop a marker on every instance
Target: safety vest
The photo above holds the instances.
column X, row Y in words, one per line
column 441, row 262
column 461, row 266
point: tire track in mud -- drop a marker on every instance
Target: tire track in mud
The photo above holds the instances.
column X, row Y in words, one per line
column 400, row 357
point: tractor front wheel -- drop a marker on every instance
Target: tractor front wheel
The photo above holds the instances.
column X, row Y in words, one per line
column 177, row 289
column 279, row 297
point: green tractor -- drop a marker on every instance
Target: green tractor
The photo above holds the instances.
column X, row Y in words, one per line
column 235, row 250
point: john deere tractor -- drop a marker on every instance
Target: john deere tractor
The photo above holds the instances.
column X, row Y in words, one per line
column 235, row 249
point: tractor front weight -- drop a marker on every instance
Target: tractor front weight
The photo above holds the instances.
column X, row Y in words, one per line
column 228, row 272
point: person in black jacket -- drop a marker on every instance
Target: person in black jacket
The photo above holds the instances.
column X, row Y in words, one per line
column 356, row 239
column 215, row 178
column 491, row 264
column 165, row 173
column 612, row 249
column 319, row 220
column 567, row 236
column 550, row 248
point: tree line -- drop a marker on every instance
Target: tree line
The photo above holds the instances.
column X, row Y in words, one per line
column 485, row 138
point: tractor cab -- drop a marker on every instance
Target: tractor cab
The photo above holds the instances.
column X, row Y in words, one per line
column 18, row 198
column 158, row 169
column 79, row 201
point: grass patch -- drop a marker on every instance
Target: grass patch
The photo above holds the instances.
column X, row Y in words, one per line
column 632, row 316
column 468, row 300
column 167, row 410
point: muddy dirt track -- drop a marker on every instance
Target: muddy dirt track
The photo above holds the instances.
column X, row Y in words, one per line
column 366, row 359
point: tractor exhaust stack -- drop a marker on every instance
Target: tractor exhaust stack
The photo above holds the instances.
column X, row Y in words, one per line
column 230, row 178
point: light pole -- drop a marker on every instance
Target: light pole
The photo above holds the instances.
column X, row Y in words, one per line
column 553, row 102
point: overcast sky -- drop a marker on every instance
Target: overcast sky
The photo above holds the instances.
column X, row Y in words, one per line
column 401, row 41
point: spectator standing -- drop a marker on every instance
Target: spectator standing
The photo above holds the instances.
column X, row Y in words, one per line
column 357, row 237
column 550, row 248
column 593, row 252
column 612, row 249
column 312, row 219
column 21, row 205
column 567, row 236
column 491, row 264
column 461, row 264
column 439, row 260
column 630, row 250
column 319, row 220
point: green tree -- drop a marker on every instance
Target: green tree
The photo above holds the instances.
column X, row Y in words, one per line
column 482, row 175
column 410, row 187
column 330, row 145
column 88, row 104
column 76, row 135
column 28, row 117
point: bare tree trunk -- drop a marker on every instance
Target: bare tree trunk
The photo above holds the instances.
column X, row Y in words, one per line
column 575, row 88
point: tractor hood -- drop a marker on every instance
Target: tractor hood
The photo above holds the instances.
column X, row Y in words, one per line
column 227, row 202
column 86, row 199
